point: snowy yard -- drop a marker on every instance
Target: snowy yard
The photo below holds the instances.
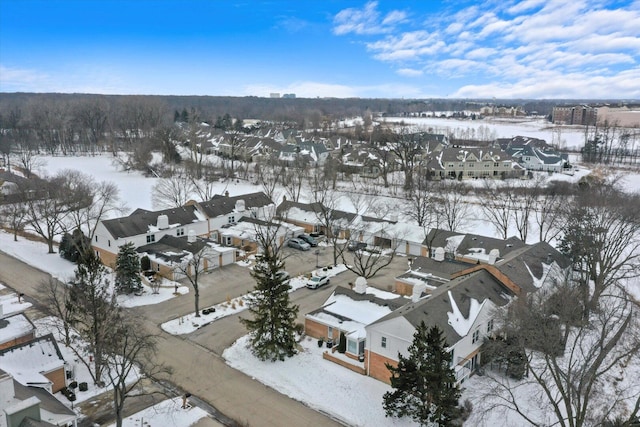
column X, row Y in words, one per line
column 352, row 398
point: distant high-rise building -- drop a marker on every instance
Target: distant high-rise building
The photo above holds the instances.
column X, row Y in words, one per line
column 575, row 115
column 289, row 95
column 274, row 95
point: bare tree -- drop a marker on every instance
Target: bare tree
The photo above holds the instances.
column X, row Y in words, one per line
column 496, row 204
column 548, row 213
column 293, row 178
column 453, row 206
column 368, row 262
column 173, row 192
column 130, row 357
column 523, row 202
column 269, row 176
column 421, row 203
column 406, row 148
column 48, row 205
column 569, row 363
column 601, row 235
column 192, row 266
column 14, row 215
column 92, row 117
column 59, row 301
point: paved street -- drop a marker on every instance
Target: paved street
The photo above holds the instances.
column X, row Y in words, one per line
column 196, row 358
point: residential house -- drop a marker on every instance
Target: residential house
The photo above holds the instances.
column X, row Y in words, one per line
column 535, row 155
column 222, row 210
column 170, row 255
column 15, row 330
column 36, row 363
column 474, row 163
column 26, row 406
column 244, row 234
column 349, row 311
column 459, row 294
column 143, row 227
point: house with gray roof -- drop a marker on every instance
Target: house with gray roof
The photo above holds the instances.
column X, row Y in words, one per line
column 27, row 406
column 142, row 227
column 474, row 163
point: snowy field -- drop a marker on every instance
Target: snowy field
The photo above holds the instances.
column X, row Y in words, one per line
column 166, row 413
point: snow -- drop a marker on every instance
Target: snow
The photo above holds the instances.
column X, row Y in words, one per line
column 166, row 413
column 10, row 305
column 16, row 327
column 364, row 312
column 462, row 325
column 347, row 396
column 35, row 253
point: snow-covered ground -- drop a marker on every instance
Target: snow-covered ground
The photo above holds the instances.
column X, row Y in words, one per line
column 325, row 386
column 166, row 413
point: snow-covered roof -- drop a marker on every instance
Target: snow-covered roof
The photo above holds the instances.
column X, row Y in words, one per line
column 15, row 326
column 28, row 362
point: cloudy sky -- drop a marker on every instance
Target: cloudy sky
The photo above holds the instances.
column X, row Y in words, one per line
column 392, row 49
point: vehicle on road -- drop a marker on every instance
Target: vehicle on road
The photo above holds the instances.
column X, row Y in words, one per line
column 316, row 281
column 299, row 244
column 310, row 240
column 353, row 246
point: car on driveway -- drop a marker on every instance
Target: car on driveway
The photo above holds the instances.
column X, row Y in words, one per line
column 310, row 240
column 299, row 244
column 317, row 281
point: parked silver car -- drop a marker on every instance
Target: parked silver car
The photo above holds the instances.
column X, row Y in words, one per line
column 299, row 244
column 317, row 281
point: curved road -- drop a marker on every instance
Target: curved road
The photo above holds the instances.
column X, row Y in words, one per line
column 197, row 369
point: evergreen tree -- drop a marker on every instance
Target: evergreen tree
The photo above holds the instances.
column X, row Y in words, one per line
column 272, row 328
column 424, row 385
column 128, row 270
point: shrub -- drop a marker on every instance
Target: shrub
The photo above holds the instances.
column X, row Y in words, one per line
column 73, row 384
column 83, row 386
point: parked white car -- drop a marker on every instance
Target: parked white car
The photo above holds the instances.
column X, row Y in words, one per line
column 317, row 281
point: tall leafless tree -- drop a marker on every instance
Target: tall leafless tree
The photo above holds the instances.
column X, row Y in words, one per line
column 173, row 192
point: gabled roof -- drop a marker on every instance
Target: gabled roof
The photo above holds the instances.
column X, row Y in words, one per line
column 317, row 209
column 142, row 221
column 173, row 249
column 48, row 402
column 454, row 305
column 221, row 205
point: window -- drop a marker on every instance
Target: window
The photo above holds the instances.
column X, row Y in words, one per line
column 96, row 238
column 476, row 336
column 383, row 342
column 471, row 164
column 232, row 219
column 329, row 332
column 352, row 346
column 180, row 231
column 496, row 165
column 490, row 326
column 451, row 165
column 109, row 243
column 461, row 165
column 486, row 165
column 470, row 173
column 151, row 238
column 452, row 357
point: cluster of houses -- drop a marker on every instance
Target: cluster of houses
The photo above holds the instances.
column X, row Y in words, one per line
column 506, row 158
column 32, row 369
column 453, row 280
column 457, row 285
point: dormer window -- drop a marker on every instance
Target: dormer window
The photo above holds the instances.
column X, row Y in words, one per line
column 232, row 219
column 180, row 231
column 151, row 238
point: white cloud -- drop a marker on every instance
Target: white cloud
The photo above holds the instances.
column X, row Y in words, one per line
column 409, row 72
column 501, row 42
column 366, row 20
column 20, row 79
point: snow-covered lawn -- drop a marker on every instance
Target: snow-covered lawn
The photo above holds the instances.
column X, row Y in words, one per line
column 166, row 413
column 325, row 386
column 35, row 253
column 189, row 322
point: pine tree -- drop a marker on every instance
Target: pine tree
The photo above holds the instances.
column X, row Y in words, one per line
column 272, row 328
column 128, row 270
column 425, row 385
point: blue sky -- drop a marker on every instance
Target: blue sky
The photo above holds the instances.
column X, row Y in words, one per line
column 391, row 49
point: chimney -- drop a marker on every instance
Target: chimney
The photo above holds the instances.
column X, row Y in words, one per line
column 493, row 256
column 191, row 235
column 439, row 254
column 284, row 198
column 361, row 285
column 240, row 206
column 163, row 222
column 226, row 193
